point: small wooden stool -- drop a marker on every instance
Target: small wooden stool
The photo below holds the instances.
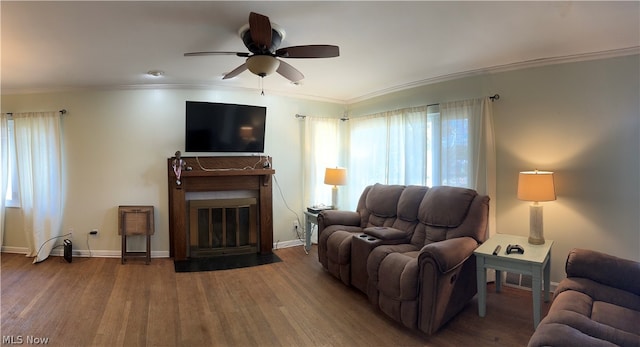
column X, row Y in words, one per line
column 135, row 220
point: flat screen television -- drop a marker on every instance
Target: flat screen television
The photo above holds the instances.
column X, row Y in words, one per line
column 219, row 127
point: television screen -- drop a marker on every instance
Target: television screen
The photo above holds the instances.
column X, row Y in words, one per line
column 218, row 127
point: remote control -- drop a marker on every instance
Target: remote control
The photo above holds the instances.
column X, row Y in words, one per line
column 495, row 251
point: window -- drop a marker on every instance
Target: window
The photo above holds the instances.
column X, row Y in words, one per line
column 406, row 143
column 455, row 144
column 448, row 144
column 395, row 147
column 322, row 142
column 12, row 199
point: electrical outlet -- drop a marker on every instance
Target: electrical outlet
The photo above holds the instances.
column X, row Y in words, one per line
column 93, row 232
column 296, row 226
column 70, row 233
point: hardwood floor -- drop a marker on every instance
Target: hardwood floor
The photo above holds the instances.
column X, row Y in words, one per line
column 99, row 302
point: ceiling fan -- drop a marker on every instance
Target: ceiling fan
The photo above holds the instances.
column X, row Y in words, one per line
column 262, row 38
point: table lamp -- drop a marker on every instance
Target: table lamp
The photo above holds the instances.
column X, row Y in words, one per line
column 536, row 186
column 335, row 177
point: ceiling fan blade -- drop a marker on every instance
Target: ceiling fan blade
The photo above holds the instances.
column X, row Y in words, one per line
column 309, row 51
column 289, row 72
column 196, row 54
column 260, row 30
column 240, row 69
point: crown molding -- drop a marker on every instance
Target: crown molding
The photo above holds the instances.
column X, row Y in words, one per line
column 502, row 68
column 167, row 86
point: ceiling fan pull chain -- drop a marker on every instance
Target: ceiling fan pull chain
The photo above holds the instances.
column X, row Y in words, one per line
column 262, row 85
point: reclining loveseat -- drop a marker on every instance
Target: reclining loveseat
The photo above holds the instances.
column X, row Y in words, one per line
column 409, row 248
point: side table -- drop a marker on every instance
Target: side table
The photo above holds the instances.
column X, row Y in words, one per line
column 135, row 220
column 310, row 219
column 536, row 261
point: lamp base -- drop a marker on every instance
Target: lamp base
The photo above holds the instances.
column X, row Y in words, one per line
column 334, row 197
column 534, row 241
column 536, row 236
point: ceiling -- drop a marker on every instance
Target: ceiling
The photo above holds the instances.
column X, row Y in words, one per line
column 384, row 46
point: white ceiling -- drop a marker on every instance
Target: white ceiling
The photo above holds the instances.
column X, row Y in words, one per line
column 384, row 46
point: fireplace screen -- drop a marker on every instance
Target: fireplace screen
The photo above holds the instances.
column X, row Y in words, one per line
column 222, row 227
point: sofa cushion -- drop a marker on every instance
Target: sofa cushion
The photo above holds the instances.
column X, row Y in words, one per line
column 603, row 304
column 566, row 328
column 604, row 268
column 617, row 317
column 445, row 206
column 339, row 255
column 573, row 301
column 382, row 200
column 409, row 202
column 400, row 276
column 600, row 292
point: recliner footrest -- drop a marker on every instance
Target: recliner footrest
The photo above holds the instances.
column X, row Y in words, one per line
column 339, row 255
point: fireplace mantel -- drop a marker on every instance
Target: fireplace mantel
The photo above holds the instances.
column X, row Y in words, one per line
column 215, row 174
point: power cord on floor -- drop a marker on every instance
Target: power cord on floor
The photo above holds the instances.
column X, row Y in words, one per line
column 44, row 243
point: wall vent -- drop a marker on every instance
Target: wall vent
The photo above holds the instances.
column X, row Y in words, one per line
column 517, row 280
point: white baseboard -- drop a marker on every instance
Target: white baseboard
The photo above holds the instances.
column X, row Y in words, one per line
column 287, row 244
column 116, row 254
column 18, row 250
column 83, row 252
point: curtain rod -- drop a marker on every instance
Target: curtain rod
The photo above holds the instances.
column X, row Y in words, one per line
column 62, row 112
column 494, row 97
column 343, row 118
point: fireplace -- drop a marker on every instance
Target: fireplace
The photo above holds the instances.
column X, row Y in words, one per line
column 222, row 190
column 223, row 227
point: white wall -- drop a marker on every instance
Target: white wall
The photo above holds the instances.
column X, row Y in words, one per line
column 581, row 120
column 115, row 148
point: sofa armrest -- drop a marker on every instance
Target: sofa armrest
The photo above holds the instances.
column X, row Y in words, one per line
column 338, row 217
column 387, row 234
column 449, row 254
column 605, row 269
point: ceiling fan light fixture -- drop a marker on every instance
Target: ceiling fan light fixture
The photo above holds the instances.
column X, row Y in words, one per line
column 262, row 65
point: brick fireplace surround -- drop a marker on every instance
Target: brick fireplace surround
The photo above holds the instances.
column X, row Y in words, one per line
column 218, row 174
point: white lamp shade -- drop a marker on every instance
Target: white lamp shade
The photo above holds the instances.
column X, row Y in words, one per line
column 335, row 176
column 262, row 65
column 536, row 186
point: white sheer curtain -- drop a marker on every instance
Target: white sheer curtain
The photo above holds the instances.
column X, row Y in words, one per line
column 389, row 147
column 4, row 168
column 39, row 159
column 447, row 144
column 469, row 124
column 322, row 148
